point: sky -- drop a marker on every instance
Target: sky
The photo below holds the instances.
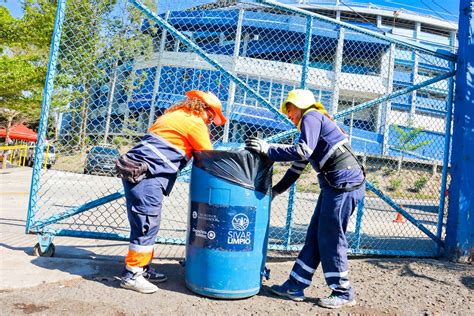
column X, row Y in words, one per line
column 447, row 9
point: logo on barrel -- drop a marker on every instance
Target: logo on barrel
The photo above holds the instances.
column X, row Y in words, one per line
column 238, row 236
column 240, row 222
column 211, row 235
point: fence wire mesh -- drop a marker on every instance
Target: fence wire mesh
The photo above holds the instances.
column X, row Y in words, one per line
column 118, row 69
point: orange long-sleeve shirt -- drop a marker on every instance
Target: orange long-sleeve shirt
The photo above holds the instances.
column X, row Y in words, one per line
column 183, row 130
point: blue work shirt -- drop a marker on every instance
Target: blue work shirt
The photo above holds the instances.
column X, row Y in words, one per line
column 320, row 138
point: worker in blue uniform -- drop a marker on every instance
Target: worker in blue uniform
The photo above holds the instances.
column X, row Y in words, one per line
column 148, row 172
column 342, row 180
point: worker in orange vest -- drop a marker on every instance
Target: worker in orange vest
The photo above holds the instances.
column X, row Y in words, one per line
column 149, row 171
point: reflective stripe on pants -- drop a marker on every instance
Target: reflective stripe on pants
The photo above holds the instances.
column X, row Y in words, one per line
column 326, row 242
column 144, row 201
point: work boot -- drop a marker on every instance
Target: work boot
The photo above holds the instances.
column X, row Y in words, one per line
column 334, row 301
column 153, row 276
column 286, row 291
column 138, row 283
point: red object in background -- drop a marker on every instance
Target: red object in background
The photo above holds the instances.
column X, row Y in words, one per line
column 399, row 218
column 20, row 132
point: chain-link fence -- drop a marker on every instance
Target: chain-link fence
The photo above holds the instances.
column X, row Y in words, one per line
column 116, row 66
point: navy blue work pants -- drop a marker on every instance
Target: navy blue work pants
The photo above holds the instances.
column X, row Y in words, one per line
column 326, row 241
column 144, row 201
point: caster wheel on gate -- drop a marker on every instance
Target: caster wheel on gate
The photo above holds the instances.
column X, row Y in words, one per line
column 48, row 253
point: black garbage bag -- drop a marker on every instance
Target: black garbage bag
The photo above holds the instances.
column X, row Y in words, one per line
column 241, row 167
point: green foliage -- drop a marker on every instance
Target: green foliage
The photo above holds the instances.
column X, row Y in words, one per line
column 395, row 183
column 407, row 138
column 24, row 50
column 373, row 180
column 98, row 36
column 420, row 184
column 276, row 170
column 96, row 40
column 120, row 141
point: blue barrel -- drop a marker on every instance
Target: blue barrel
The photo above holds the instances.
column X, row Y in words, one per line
column 228, row 223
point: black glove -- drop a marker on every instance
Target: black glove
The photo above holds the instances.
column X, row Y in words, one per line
column 130, row 170
column 257, row 145
column 274, row 193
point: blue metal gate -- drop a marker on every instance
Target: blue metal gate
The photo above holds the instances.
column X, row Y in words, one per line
column 108, row 79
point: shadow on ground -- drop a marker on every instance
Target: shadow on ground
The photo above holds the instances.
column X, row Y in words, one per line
column 406, row 269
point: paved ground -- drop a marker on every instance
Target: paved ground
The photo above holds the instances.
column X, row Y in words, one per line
column 81, row 278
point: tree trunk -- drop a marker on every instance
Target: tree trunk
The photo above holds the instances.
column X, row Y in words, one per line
column 83, row 134
column 399, row 164
column 85, row 111
column 58, row 127
column 8, row 129
column 110, row 101
column 7, row 136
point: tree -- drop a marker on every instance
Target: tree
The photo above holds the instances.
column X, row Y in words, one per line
column 127, row 42
column 24, row 48
column 82, row 43
column 408, row 139
column 99, row 36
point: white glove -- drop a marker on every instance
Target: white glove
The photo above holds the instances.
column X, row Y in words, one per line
column 257, row 145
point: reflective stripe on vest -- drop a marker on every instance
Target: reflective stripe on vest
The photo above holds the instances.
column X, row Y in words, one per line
column 159, row 154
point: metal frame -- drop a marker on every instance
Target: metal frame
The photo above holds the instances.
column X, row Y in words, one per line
column 37, row 226
column 337, row 71
column 358, row 225
column 198, row 50
column 47, row 94
column 232, row 86
column 156, row 82
column 394, row 95
column 460, row 221
column 375, row 102
column 46, row 234
column 402, row 211
column 447, row 149
column 304, row 73
column 386, row 37
column 307, row 50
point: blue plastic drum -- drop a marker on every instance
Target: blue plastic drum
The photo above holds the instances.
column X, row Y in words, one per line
column 228, row 224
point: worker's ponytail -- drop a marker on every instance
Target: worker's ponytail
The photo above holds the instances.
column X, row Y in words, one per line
column 318, row 106
column 192, row 105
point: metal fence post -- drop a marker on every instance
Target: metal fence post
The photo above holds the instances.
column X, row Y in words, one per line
column 304, row 72
column 416, row 62
column 358, row 224
column 337, row 71
column 447, row 147
column 414, row 81
column 289, row 217
column 46, row 102
column 235, row 58
column 307, row 51
column 459, row 238
column 388, row 105
column 156, row 83
column 351, row 123
column 110, row 99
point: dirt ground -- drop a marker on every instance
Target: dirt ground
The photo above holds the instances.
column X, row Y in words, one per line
column 384, row 286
